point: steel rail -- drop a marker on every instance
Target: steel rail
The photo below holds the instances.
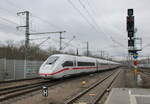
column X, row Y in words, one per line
column 74, row 98
column 100, row 95
column 19, row 80
column 27, row 89
column 8, row 90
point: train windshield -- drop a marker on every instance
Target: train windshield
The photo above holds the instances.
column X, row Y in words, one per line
column 52, row 59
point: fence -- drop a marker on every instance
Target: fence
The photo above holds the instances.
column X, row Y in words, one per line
column 18, row 69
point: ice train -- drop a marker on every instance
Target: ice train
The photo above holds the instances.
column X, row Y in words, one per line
column 62, row 65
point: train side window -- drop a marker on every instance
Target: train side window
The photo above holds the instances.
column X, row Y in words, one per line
column 104, row 63
column 67, row 63
column 86, row 64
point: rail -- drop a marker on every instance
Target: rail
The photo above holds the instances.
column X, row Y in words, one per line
column 79, row 96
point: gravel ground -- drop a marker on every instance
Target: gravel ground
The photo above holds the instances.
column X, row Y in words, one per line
column 59, row 93
column 145, row 80
column 131, row 81
column 147, row 70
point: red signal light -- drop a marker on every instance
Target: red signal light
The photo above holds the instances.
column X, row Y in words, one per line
column 135, row 62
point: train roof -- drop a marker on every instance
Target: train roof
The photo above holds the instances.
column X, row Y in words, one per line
column 85, row 57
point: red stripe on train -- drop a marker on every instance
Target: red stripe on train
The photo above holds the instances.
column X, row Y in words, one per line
column 62, row 70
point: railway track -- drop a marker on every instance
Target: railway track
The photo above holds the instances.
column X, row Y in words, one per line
column 21, row 83
column 95, row 92
column 11, row 92
column 15, row 91
column 7, row 90
column 19, row 80
column 145, row 72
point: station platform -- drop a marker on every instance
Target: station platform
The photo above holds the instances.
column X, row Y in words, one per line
column 128, row 96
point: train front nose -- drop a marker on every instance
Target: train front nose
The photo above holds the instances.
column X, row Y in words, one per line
column 46, row 71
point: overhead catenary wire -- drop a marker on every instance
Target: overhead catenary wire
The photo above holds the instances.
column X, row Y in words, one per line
column 8, row 11
column 14, row 5
column 113, row 40
column 12, row 13
column 34, row 15
column 95, row 22
column 45, row 21
column 52, row 24
column 40, row 38
column 91, row 17
column 146, row 46
column 84, row 17
column 118, row 43
column 10, row 21
column 92, row 8
column 68, row 43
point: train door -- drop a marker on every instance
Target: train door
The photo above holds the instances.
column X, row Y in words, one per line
column 75, row 65
column 68, row 66
column 96, row 65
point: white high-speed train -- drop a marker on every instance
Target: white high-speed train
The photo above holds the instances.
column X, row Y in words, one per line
column 62, row 65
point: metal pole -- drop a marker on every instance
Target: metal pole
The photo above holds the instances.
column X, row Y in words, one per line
column 27, row 35
column 60, row 41
column 14, row 69
column 77, row 53
column 24, row 72
column 101, row 54
column 5, row 68
column 26, row 42
column 87, row 48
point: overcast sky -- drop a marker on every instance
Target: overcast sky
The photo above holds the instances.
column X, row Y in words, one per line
column 100, row 22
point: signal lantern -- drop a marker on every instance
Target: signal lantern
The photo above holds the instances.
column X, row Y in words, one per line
column 130, row 23
column 130, row 12
column 131, row 42
column 130, row 34
column 135, row 62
